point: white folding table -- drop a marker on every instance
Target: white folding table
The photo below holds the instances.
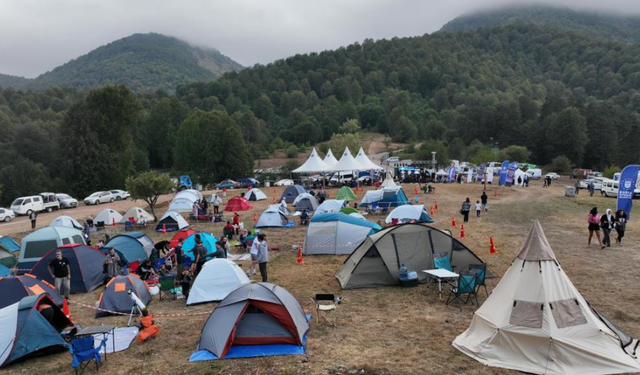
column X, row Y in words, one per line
column 442, row 274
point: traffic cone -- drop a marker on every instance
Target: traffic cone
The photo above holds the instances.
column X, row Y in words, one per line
column 462, row 231
column 255, row 217
column 453, row 222
column 415, row 190
column 493, row 249
column 65, row 309
column 300, row 260
column 432, row 212
column 437, row 206
column 495, row 193
column 114, row 221
column 164, row 228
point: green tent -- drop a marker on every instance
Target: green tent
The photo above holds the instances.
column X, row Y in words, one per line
column 349, row 210
column 346, row 193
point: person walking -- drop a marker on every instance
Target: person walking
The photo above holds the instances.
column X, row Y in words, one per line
column 478, row 208
column 591, row 188
column 621, row 225
column 263, row 256
column 466, row 207
column 607, row 222
column 594, row 225
column 111, row 265
column 61, row 272
column 483, row 199
column 33, row 216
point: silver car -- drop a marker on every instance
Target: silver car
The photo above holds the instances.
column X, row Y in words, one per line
column 120, row 194
column 99, row 197
column 6, row 215
column 66, row 201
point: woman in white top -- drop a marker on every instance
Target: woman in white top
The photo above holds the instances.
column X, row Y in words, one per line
column 255, row 248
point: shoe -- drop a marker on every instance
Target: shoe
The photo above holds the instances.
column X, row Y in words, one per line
column 602, row 247
column 254, row 273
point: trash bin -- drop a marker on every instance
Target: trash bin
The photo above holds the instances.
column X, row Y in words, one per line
column 569, row 191
column 267, row 183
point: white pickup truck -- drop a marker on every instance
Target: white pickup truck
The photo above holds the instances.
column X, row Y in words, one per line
column 35, row 203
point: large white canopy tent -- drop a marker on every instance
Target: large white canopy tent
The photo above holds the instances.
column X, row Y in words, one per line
column 330, row 160
column 348, row 163
column 313, row 164
column 364, row 161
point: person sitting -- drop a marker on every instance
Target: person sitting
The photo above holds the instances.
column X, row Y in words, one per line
column 304, row 217
column 146, row 270
column 228, row 230
column 243, row 239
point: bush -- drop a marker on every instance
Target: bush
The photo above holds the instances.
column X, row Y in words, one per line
column 560, row 164
column 611, row 170
column 292, row 151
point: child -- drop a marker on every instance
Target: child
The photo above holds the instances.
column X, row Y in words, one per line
column 185, row 283
column 478, row 208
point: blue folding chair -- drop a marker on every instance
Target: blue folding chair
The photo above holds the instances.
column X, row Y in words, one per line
column 442, row 261
column 481, row 274
column 83, row 353
column 466, row 285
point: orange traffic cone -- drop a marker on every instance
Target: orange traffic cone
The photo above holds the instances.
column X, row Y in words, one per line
column 114, row 222
column 164, row 229
column 255, row 218
column 300, row 260
column 415, row 190
column 462, row 231
column 437, row 206
column 453, row 222
column 493, row 249
column 432, row 212
column 495, row 193
column 65, row 309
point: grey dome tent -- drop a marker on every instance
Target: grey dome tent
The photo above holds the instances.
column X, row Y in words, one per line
column 272, row 218
column 377, row 260
column 291, row 192
column 85, row 263
column 253, row 316
column 305, row 201
column 115, row 297
column 255, row 194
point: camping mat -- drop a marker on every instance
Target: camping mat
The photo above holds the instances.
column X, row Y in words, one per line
column 247, row 351
column 239, row 257
column 124, row 336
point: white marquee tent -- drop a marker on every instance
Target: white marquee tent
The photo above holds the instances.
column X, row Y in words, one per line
column 330, row 160
column 313, row 164
column 364, row 161
column 347, row 162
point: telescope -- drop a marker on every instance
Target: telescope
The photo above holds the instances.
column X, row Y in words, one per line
column 136, row 305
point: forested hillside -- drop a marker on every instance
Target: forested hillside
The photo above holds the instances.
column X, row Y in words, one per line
column 558, row 93
column 140, row 61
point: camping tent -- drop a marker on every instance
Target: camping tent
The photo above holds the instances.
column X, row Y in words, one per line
column 189, row 194
column 85, row 263
column 330, row 160
column 65, row 221
column 272, row 218
column 377, row 260
column 181, row 234
column 255, row 194
column 386, row 197
column 16, row 288
column 345, row 193
column 280, row 208
column 291, row 192
column 7, row 247
column 171, row 222
column 216, row 280
column 236, row 204
column 131, row 247
column 313, row 164
column 336, row 233
column 536, row 321
column 408, row 213
column 40, row 242
column 4, row 271
column 305, row 201
column 347, row 163
column 25, row 332
column 208, row 241
column 115, row 297
column 214, row 198
column 251, row 318
column 389, row 183
column 365, row 162
column 139, row 216
column 181, row 205
column 330, row 205
column 348, row 210
column 108, row 217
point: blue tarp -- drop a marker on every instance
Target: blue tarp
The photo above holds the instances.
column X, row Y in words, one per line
column 9, row 244
column 248, row 351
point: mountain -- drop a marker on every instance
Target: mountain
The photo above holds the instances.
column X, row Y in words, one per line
column 141, row 62
column 618, row 27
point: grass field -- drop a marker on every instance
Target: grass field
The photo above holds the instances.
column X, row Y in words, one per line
column 391, row 330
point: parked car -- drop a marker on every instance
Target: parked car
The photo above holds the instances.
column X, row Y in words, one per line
column 246, row 182
column 227, row 184
column 120, row 194
column 35, row 203
column 99, row 197
column 66, row 201
column 553, row 175
column 597, row 183
column 6, row 215
column 285, row 182
column 535, row 173
column 610, row 189
column 341, row 178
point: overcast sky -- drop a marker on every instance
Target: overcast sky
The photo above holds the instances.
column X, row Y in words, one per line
column 38, row 35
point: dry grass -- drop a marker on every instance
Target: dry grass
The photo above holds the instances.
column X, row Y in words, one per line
column 391, row 330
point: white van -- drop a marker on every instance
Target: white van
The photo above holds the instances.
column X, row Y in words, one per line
column 609, row 188
column 35, row 203
column 341, row 177
column 535, row 174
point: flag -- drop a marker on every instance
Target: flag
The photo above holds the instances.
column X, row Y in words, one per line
column 483, row 167
column 511, row 172
column 452, row 174
column 627, row 187
column 503, row 172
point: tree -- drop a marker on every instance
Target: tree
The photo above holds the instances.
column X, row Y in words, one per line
column 559, row 164
column 515, row 153
column 339, row 142
column 482, row 155
column 162, row 127
column 566, row 135
column 350, row 126
column 611, row 170
column 292, row 151
column 149, row 186
column 439, row 147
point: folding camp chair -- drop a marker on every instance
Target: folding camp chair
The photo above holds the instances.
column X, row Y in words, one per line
column 167, row 285
column 442, row 261
column 83, row 353
column 127, row 226
column 326, row 308
column 466, row 285
column 481, row 274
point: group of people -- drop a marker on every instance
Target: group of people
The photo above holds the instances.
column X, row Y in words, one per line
column 607, row 223
column 481, row 205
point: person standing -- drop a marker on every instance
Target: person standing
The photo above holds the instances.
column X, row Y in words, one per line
column 621, row 225
column 478, row 208
column 236, row 222
column 466, row 207
column 607, row 222
column 200, row 252
column 216, row 204
column 112, row 265
column 178, row 256
column 483, row 199
column 591, row 188
column 594, row 225
column 255, row 249
column 61, row 272
column 263, row 256
column 185, row 283
column 33, row 216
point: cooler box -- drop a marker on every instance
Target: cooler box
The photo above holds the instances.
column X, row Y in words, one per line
column 410, row 280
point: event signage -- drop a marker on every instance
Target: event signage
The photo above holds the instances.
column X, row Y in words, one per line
column 627, row 187
column 483, row 167
column 452, row 174
column 511, row 173
column 503, row 172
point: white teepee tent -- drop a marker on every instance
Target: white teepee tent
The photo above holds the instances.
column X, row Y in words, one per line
column 313, row 164
column 347, row 163
column 330, row 160
column 364, row 160
column 536, row 321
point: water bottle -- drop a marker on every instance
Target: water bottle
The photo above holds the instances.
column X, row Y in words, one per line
column 403, row 271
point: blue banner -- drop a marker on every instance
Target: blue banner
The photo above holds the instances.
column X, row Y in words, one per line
column 626, row 188
column 503, row 172
column 452, row 174
column 483, row 167
column 511, row 173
